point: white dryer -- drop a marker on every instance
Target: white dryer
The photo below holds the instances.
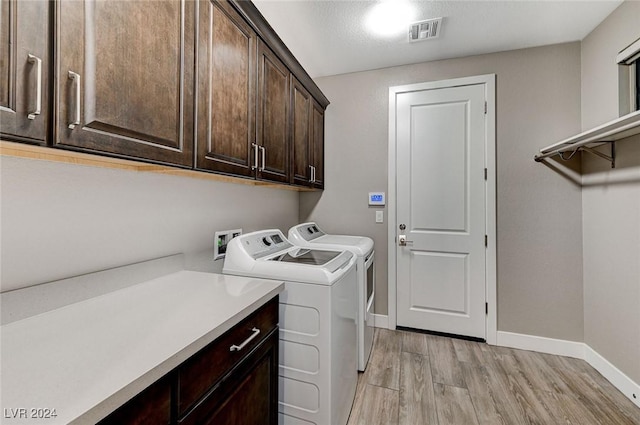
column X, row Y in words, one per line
column 317, row 353
column 311, row 236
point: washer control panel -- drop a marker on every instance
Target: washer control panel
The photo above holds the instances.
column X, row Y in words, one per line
column 262, row 244
column 309, row 231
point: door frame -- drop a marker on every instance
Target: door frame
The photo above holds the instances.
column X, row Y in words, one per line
column 489, row 82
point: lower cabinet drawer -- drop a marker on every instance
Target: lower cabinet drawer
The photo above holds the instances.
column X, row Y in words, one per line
column 217, row 385
column 248, row 395
column 151, row 407
column 199, row 374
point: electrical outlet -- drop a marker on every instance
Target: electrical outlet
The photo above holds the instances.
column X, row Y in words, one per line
column 220, row 241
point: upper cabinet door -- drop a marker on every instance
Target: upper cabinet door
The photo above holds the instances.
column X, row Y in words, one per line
column 317, row 144
column 125, row 78
column 226, row 93
column 300, row 129
column 24, row 65
column 272, row 116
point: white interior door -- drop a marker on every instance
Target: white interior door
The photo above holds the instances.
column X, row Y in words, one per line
column 440, row 186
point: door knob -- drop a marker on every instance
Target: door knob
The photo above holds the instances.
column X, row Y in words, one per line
column 402, row 240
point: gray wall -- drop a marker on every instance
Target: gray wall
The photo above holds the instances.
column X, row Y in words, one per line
column 611, row 211
column 62, row 220
column 539, row 211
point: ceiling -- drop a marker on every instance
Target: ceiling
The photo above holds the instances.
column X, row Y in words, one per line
column 329, row 37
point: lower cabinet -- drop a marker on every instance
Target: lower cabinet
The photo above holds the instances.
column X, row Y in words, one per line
column 151, row 406
column 248, row 395
column 232, row 381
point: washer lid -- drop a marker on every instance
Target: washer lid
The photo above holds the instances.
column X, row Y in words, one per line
column 313, row 257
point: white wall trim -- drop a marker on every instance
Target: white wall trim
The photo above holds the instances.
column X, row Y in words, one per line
column 381, row 321
column 541, row 344
column 577, row 350
column 613, row 375
column 489, row 80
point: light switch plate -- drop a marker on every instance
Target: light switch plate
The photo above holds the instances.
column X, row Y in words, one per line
column 379, row 216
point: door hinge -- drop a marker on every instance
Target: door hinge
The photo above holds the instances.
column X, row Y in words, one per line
column 485, row 106
column 486, row 308
column 486, row 172
column 486, row 240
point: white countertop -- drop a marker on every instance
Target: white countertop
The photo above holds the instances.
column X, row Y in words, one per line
column 86, row 359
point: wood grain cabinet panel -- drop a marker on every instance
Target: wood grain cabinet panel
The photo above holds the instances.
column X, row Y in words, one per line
column 126, row 78
column 317, row 144
column 300, row 127
column 151, row 407
column 248, row 395
column 24, row 65
column 203, row 370
column 307, row 123
column 272, row 116
column 226, row 90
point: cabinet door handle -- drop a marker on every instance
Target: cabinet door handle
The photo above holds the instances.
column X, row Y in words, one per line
column 310, row 173
column 38, row 62
column 263, row 150
column 234, row 347
column 75, row 119
column 255, row 156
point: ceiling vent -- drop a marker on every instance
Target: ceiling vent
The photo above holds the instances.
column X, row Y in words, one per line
column 425, row 30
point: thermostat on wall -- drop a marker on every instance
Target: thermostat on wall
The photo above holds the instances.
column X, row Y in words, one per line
column 376, row 198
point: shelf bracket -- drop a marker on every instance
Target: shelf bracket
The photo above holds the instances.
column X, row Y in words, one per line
column 611, row 159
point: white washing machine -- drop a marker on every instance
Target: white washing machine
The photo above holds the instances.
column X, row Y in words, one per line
column 318, row 352
column 311, row 236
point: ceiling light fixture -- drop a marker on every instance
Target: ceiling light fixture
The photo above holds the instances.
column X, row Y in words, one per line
column 390, row 18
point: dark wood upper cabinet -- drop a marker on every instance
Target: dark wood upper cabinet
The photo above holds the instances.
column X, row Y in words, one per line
column 203, row 84
column 125, row 78
column 226, row 91
column 317, row 145
column 243, row 91
column 272, row 116
column 300, row 128
column 24, row 70
column 307, row 127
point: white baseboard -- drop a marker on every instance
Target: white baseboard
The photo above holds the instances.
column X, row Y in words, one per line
column 541, row 344
column 381, row 321
column 578, row 350
column 613, row 375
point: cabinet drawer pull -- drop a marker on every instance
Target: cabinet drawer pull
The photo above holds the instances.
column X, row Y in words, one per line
column 75, row 120
column 255, row 331
column 255, row 156
column 38, row 62
column 263, row 150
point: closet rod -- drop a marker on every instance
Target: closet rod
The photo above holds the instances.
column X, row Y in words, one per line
column 561, row 147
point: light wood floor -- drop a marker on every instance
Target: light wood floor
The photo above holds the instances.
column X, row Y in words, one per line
column 417, row 379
